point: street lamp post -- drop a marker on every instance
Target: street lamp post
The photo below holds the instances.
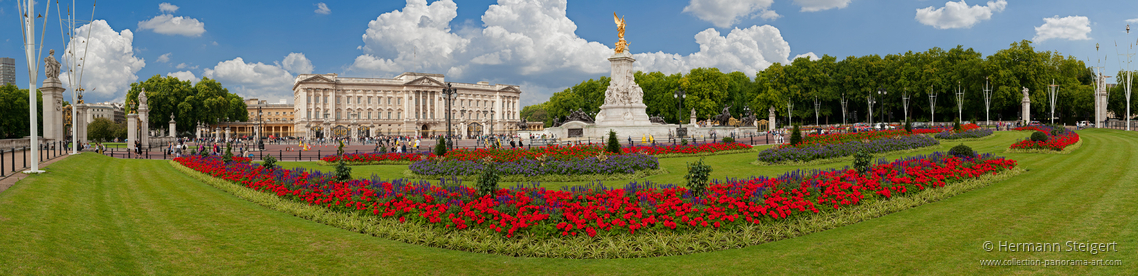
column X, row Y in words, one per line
column 260, row 129
column 450, row 93
column 905, row 103
column 844, row 108
column 680, row 95
column 960, row 102
column 932, row 106
column 1053, row 90
column 987, row 101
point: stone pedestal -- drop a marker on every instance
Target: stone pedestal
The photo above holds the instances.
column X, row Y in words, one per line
column 80, row 123
column 771, row 119
column 144, row 125
column 52, row 109
column 131, row 130
column 173, row 127
column 624, row 99
column 1026, row 111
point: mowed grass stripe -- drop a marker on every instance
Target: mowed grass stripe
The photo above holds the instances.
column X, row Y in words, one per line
column 168, row 212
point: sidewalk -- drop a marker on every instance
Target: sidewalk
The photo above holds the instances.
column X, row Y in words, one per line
column 9, row 180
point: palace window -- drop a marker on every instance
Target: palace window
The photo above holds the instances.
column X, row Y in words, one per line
column 337, row 115
column 389, row 115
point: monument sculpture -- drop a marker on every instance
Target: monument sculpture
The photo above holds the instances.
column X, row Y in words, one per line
column 52, row 99
column 579, row 115
column 724, row 117
column 1026, row 106
column 748, row 117
column 624, row 99
column 657, row 119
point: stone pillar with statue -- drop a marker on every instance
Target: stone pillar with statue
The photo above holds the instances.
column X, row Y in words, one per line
column 131, row 130
column 52, row 99
column 1026, row 102
column 143, row 120
column 624, row 99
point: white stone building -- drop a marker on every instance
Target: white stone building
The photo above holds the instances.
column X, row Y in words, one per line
column 111, row 111
column 411, row 104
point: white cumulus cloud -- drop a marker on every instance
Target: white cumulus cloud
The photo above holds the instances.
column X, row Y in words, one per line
column 821, row 5
column 532, row 43
column 724, row 13
column 164, row 57
column 747, row 50
column 297, row 63
column 1133, row 20
column 1069, row 28
column 170, row 25
column 416, row 38
column 958, row 15
column 167, row 7
column 252, row 79
column 108, row 59
column 184, row 75
column 322, row 8
column 809, row 55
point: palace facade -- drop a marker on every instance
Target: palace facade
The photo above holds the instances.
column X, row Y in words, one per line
column 411, row 104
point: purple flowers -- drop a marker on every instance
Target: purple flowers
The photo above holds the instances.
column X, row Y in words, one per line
column 613, row 164
column 815, row 152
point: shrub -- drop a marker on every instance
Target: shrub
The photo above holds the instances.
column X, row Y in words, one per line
column 956, row 125
column 1039, row 136
column 684, row 141
column 909, row 126
column 343, row 172
column 962, row 151
column 795, row 136
column 269, row 162
column 861, row 160
column 1058, row 130
column 441, row 147
column 613, row 144
column 228, row 155
column 487, row 180
column 728, row 139
column 698, row 173
column 340, row 149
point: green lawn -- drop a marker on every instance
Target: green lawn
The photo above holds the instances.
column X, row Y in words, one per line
column 92, row 214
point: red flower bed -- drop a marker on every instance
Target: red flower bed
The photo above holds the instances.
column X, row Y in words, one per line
column 377, row 157
column 593, row 210
column 963, row 128
column 242, row 159
column 1054, row 142
column 685, row 149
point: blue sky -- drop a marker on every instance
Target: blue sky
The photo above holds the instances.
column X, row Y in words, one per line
column 256, row 48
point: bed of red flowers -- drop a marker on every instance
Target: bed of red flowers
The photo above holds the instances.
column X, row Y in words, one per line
column 686, row 149
column 378, row 157
column 529, row 210
column 1056, row 140
column 963, row 128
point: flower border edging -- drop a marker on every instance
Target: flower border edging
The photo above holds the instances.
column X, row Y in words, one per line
column 1066, row 150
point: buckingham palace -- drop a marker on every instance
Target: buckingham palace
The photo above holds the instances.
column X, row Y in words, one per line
column 327, row 105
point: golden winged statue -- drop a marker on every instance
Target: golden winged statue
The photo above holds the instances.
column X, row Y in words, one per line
column 621, row 45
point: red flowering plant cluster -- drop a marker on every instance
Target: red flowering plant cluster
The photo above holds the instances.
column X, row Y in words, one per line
column 242, row 159
column 533, row 211
column 1056, row 140
column 378, row 157
column 686, row 149
column 935, row 130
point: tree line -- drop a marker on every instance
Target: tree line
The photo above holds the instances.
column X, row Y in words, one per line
column 14, row 112
column 204, row 102
column 808, row 88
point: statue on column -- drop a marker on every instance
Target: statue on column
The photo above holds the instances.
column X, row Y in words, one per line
column 142, row 98
column 51, row 66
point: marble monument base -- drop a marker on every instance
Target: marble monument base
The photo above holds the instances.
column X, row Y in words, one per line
column 623, row 115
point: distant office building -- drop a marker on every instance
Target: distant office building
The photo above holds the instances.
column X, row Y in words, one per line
column 7, row 71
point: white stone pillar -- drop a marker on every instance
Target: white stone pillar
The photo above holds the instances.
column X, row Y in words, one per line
column 131, row 130
column 52, row 109
column 80, row 123
column 144, row 125
column 173, row 127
